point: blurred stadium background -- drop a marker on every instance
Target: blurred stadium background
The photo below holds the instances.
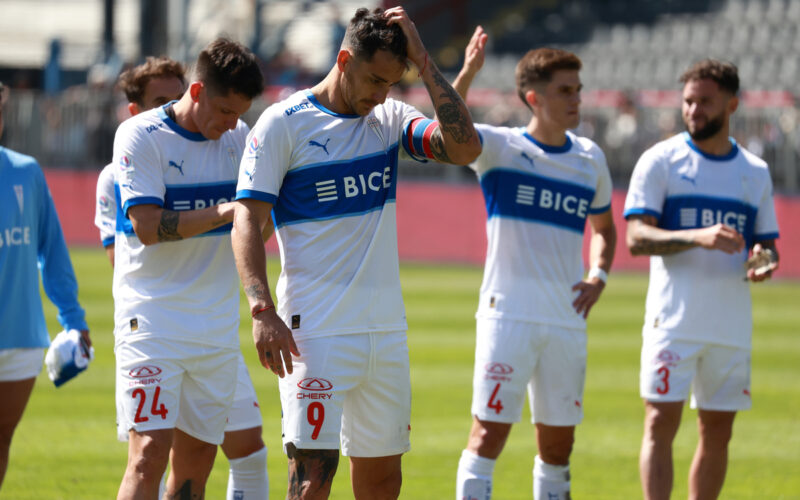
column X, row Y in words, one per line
column 62, row 58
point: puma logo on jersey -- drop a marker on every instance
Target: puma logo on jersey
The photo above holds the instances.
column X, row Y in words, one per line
column 525, row 155
column 686, row 178
column 323, row 146
column 179, row 167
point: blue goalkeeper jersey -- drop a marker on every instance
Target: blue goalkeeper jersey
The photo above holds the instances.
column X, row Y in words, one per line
column 31, row 241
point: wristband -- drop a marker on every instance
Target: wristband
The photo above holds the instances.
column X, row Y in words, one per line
column 597, row 272
column 259, row 311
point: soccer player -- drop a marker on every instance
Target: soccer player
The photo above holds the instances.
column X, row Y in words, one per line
column 698, row 203
column 541, row 184
column 30, row 240
column 326, row 160
column 152, row 84
column 175, row 289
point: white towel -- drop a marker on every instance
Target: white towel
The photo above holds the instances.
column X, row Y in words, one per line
column 67, row 356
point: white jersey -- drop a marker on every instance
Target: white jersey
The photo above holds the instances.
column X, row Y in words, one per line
column 186, row 289
column 332, row 180
column 700, row 294
column 105, row 209
column 537, row 200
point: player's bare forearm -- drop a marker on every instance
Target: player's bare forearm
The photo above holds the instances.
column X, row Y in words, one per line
column 153, row 224
column 603, row 242
column 644, row 238
column 456, row 140
column 248, row 250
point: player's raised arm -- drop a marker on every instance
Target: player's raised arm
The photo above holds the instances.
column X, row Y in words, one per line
column 455, row 140
column 644, row 237
column 154, row 224
column 273, row 339
column 474, row 56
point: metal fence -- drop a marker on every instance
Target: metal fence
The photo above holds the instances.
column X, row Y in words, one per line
column 76, row 130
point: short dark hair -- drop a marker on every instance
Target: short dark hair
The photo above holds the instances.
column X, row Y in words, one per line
column 226, row 66
column 134, row 80
column 724, row 73
column 369, row 32
column 538, row 66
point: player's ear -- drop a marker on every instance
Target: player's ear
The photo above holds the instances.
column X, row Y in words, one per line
column 733, row 104
column 342, row 59
column 194, row 90
column 531, row 98
column 133, row 109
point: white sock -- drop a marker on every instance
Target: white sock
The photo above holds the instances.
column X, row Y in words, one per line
column 550, row 482
column 248, row 477
column 474, row 478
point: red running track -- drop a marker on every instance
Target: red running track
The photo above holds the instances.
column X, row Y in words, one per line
column 435, row 222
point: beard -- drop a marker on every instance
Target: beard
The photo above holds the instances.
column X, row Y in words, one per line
column 713, row 126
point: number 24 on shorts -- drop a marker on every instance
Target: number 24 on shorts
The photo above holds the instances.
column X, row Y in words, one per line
column 155, row 408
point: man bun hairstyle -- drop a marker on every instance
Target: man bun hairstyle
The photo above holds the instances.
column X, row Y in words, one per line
column 724, row 73
column 539, row 65
column 369, row 32
column 226, row 66
column 133, row 81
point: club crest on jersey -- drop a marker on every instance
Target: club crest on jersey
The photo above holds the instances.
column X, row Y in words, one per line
column 19, row 193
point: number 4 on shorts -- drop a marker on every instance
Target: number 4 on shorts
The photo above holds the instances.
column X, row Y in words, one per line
column 495, row 404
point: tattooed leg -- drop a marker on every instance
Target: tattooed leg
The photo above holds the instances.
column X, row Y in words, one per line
column 310, row 473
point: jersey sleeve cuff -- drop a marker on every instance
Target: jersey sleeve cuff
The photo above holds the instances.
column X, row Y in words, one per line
column 108, row 241
column 641, row 211
column 766, row 236
column 244, row 194
column 600, row 210
column 144, row 200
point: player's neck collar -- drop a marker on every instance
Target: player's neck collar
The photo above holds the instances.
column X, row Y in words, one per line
column 728, row 156
column 322, row 108
column 173, row 124
column 548, row 148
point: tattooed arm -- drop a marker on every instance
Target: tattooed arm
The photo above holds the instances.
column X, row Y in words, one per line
column 273, row 339
column 645, row 238
column 455, row 140
column 153, row 224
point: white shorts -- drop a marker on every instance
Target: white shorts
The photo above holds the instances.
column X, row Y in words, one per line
column 351, row 389
column 20, row 363
column 719, row 376
column 510, row 356
column 245, row 412
column 168, row 384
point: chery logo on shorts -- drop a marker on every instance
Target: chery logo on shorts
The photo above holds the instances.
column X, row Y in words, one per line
column 315, row 384
column 144, row 371
column 499, row 368
column 667, row 357
column 498, row 372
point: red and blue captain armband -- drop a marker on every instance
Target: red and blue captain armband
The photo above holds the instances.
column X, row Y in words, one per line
column 417, row 138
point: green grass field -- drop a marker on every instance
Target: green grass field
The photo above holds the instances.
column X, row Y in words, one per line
column 66, row 448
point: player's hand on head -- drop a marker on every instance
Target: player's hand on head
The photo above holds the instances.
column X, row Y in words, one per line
column 475, row 53
column 589, row 291
column 274, row 342
column 415, row 48
column 720, row 237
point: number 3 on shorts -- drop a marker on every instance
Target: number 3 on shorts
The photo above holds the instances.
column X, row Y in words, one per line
column 155, row 408
column 315, row 415
column 664, row 372
column 495, row 404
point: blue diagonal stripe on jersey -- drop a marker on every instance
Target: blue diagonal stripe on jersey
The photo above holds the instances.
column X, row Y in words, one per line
column 691, row 212
column 339, row 189
column 520, row 195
